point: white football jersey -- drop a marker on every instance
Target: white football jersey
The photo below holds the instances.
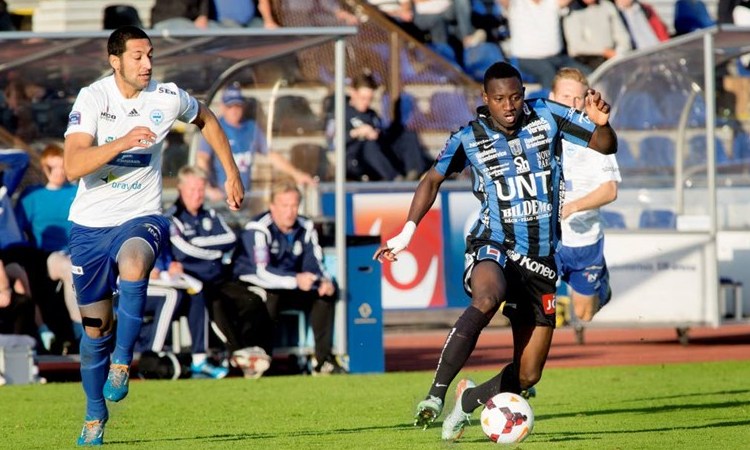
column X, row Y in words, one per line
column 130, row 185
column 584, row 170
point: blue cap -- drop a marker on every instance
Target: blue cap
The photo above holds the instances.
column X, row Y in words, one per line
column 232, row 96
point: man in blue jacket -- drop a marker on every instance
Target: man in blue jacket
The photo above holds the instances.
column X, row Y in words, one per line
column 280, row 254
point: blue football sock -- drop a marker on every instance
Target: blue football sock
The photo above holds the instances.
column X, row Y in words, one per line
column 129, row 318
column 94, row 369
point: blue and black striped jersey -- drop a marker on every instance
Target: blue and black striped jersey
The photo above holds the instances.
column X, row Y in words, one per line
column 517, row 178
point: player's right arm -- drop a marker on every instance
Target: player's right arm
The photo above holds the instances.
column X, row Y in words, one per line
column 82, row 157
column 422, row 201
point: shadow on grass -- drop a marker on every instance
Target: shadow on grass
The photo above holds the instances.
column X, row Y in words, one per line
column 232, row 437
column 645, row 410
column 590, row 436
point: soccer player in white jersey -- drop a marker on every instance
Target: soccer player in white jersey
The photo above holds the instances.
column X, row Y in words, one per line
column 113, row 145
column 590, row 182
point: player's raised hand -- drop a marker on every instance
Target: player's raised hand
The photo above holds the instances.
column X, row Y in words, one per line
column 139, row 137
column 235, row 192
column 596, row 108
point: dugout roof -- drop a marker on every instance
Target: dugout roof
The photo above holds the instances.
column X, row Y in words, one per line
column 197, row 61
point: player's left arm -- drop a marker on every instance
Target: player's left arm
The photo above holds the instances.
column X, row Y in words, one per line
column 214, row 135
column 604, row 194
column 604, row 139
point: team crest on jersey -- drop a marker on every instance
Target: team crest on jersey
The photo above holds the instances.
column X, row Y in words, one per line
column 297, row 249
column 515, row 147
column 156, row 116
column 206, row 223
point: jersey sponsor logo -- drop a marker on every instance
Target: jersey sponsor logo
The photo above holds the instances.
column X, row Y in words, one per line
column 485, row 143
column 521, row 186
column 522, row 165
column 526, row 211
column 131, row 160
column 109, row 139
column 108, row 116
column 542, row 159
column 540, row 125
column 163, row 90
column 488, row 155
column 549, row 303
column 495, row 170
column 156, row 116
column 516, row 148
column 133, row 113
column 538, row 268
column 134, row 186
column 537, row 140
column 77, row 270
column 74, row 118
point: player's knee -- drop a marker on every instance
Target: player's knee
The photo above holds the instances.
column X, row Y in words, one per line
column 486, row 302
column 529, row 377
column 95, row 327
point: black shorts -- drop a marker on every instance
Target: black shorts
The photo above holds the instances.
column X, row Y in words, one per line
column 531, row 282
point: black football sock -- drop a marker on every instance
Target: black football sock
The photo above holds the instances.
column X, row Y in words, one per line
column 505, row 381
column 458, row 346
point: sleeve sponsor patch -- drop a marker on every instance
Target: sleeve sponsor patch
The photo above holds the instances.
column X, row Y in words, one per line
column 74, row 118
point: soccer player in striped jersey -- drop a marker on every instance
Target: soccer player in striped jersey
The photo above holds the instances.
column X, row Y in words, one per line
column 113, row 144
column 511, row 152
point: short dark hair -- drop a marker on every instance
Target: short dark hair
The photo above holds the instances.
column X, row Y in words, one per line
column 501, row 70
column 120, row 37
column 364, row 80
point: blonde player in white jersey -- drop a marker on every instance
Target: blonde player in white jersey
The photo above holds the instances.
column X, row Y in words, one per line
column 590, row 182
column 113, row 145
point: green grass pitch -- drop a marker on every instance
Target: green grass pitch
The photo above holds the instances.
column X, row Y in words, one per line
column 680, row 406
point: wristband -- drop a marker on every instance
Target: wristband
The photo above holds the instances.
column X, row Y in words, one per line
column 401, row 241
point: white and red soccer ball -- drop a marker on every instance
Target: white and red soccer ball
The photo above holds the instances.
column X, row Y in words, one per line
column 507, row 418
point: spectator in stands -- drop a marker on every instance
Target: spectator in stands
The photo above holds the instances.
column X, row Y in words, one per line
column 279, row 254
column 245, row 13
column 590, row 182
column 375, row 153
column 644, row 25
column 594, row 32
column 201, row 246
column 16, row 310
column 169, row 14
column 246, row 139
column 16, row 115
column 318, row 12
column 691, row 15
column 16, row 253
column 6, row 23
column 725, row 9
column 42, row 214
column 401, row 13
column 542, row 52
column 436, row 17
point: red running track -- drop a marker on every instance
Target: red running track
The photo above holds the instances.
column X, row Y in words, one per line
column 419, row 350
